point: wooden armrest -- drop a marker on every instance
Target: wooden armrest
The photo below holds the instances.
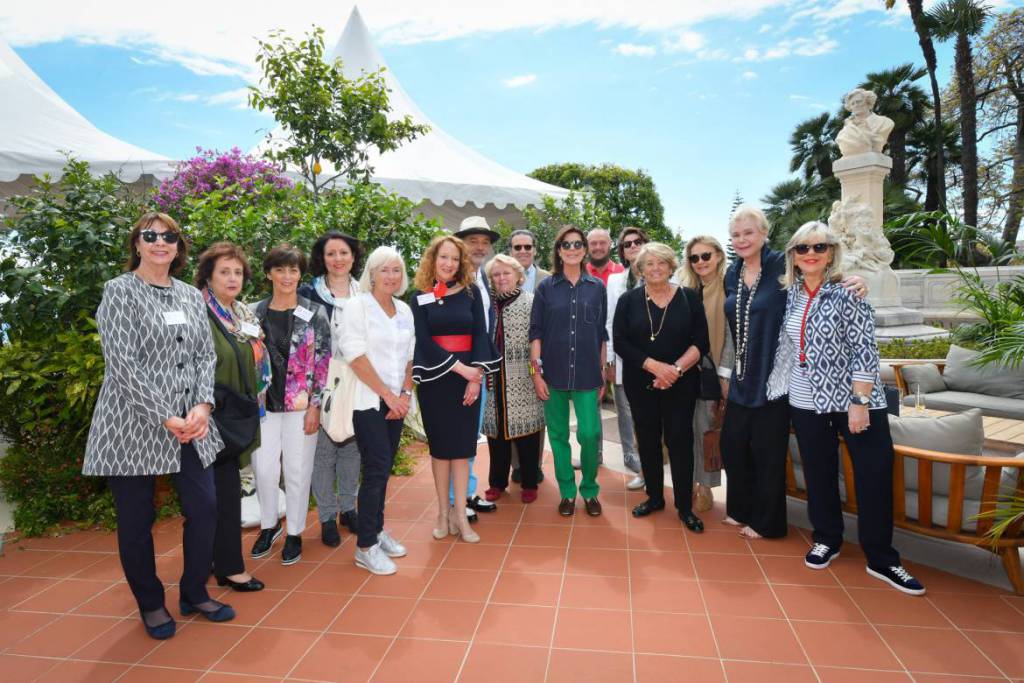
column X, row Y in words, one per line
column 898, row 364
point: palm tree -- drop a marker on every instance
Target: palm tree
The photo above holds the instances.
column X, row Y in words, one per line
column 923, row 157
column 814, row 147
column 794, row 202
column 964, row 19
column 903, row 102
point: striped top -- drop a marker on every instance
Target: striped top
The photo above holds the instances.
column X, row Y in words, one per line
column 800, row 394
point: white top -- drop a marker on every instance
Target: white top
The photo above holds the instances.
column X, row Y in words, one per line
column 338, row 319
column 800, row 393
column 387, row 342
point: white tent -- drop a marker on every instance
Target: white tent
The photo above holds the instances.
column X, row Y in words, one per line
column 37, row 126
column 444, row 176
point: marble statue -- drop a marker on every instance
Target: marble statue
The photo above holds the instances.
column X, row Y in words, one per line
column 864, row 245
column 864, row 131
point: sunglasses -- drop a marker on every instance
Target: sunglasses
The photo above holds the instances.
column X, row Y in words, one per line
column 706, row 256
column 819, row 248
column 522, row 247
column 638, row 242
column 151, row 236
column 574, row 244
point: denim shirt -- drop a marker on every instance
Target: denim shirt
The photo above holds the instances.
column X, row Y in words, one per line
column 569, row 320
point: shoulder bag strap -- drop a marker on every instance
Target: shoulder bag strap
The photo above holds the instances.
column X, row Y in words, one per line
column 234, row 345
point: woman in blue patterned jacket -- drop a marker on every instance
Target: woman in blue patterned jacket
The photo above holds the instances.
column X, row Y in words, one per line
column 827, row 361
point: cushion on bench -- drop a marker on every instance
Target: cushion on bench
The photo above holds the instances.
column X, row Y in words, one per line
column 926, row 376
column 959, row 433
column 990, row 380
column 955, row 401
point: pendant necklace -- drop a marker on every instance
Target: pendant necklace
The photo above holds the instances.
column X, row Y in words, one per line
column 742, row 320
column 650, row 320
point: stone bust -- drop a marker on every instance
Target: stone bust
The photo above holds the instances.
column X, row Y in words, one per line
column 864, row 246
column 864, row 131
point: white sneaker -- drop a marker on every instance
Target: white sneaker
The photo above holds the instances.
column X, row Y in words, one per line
column 576, row 464
column 375, row 561
column 390, row 546
column 636, row 483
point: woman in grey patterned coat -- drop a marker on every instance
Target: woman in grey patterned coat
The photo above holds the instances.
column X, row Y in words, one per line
column 153, row 417
column 513, row 414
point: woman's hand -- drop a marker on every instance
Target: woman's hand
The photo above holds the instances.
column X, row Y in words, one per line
column 665, row 375
column 857, row 285
column 468, row 373
column 724, row 383
column 859, row 419
column 472, row 393
column 311, row 423
column 197, row 422
column 541, row 387
column 398, row 406
column 176, row 426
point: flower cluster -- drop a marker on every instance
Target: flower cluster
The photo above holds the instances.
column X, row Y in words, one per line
column 211, row 170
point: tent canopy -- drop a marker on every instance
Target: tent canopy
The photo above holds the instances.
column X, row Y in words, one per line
column 36, row 126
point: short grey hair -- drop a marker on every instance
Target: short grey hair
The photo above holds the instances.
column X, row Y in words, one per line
column 814, row 230
column 750, row 213
column 377, row 258
column 659, row 251
column 506, row 260
column 522, row 232
column 594, row 231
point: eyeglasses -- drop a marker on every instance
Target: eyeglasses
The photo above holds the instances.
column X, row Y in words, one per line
column 706, row 256
column 574, row 244
column 151, row 236
column 819, row 248
column 638, row 242
column 522, row 247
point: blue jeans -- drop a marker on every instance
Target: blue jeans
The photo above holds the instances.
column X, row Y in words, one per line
column 471, row 488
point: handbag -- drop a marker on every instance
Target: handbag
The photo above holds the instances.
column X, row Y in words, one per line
column 712, row 441
column 236, row 413
column 710, row 387
column 339, row 399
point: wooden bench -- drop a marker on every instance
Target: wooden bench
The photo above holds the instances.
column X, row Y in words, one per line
column 897, row 365
column 920, row 520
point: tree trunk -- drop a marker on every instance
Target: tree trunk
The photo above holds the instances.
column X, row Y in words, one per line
column 1015, row 202
column 898, row 152
column 968, row 127
column 917, row 14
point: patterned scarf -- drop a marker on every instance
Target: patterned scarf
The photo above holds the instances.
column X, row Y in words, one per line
column 325, row 293
column 232, row 321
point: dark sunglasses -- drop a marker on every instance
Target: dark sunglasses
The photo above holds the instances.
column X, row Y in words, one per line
column 706, row 256
column 819, row 248
column 639, row 242
column 150, row 236
column 574, row 244
column 522, row 247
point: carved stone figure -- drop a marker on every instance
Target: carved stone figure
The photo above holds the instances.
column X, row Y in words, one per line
column 864, row 245
column 864, row 131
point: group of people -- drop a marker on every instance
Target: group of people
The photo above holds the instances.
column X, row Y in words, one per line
column 198, row 384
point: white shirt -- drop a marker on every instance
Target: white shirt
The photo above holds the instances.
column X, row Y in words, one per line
column 387, row 342
column 531, row 279
column 485, row 297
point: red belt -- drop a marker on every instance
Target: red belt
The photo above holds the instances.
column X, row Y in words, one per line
column 455, row 342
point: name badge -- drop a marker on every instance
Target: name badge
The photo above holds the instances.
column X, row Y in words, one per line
column 424, row 299
column 250, row 329
column 174, row 318
column 303, row 314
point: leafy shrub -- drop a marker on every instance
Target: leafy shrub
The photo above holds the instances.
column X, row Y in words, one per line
column 914, row 348
column 210, row 170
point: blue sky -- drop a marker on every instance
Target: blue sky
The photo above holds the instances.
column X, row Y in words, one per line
column 703, row 99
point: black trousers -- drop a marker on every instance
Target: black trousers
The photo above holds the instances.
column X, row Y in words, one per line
column 754, row 443
column 133, row 498
column 872, row 456
column 377, row 439
column 664, row 415
column 528, row 448
column 227, row 542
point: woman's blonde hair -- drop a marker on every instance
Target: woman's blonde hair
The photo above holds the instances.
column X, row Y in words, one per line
column 506, row 260
column 377, row 258
column 657, row 250
column 687, row 276
column 465, row 276
column 750, row 213
column 819, row 232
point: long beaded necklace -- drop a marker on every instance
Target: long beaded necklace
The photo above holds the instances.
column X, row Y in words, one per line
column 650, row 320
column 743, row 321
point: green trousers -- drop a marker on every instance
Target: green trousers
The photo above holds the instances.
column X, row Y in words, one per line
column 588, row 435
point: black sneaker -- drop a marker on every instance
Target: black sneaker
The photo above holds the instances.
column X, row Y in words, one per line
column 292, row 552
column 517, row 476
column 350, row 520
column 329, row 534
column 480, row 505
column 265, row 541
column 820, row 556
column 899, row 578
column 540, row 476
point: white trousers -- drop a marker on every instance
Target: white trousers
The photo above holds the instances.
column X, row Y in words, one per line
column 283, row 442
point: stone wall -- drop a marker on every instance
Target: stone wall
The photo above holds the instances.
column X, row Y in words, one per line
column 933, row 293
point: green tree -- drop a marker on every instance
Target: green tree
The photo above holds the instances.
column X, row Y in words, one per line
column 582, row 210
column 791, row 203
column 737, row 201
column 923, row 157
column 814, row 148
column 326, row 117
column 963, row 20
column 903, row 102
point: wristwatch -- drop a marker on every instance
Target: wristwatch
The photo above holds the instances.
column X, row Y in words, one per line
column 859, row 399
column 679, row 369
column 406, row 392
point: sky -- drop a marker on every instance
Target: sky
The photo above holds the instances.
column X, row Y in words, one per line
column 701, row 95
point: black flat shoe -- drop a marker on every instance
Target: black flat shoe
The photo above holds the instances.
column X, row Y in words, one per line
column 647, row 507
column 329, row 535
column 480, row 505
column 221, row 613
column 350, row 520
column 692, row 522
column 250, row 586
column 160, row 631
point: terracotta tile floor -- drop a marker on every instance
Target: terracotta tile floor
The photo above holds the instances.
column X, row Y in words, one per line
column 542, row 598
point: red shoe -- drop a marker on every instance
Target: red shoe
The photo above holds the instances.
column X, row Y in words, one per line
column 492, row 494
column 529, row 495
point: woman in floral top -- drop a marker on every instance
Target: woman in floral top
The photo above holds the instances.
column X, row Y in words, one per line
column 298, row 338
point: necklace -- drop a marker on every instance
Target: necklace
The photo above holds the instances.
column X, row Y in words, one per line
column 743, row 321
column 650, row 320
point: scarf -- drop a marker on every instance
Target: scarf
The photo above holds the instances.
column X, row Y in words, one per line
column 232, row 323
column 714, row 310
column 324, row 292
column 501, row 302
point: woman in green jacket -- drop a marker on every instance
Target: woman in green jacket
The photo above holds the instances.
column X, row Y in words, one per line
column 221, row 273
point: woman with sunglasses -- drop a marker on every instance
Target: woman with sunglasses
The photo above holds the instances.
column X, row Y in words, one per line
column 661, row 335
column 152, row 417
column 704, row 271
column 567, row 352
column 631, row 240
column 827, row 362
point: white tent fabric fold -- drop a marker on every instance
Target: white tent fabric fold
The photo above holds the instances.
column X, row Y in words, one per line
column 37, row 127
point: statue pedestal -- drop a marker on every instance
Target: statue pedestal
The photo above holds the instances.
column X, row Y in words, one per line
column 861, row 176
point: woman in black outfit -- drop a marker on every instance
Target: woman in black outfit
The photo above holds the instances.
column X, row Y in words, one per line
column 661, row 333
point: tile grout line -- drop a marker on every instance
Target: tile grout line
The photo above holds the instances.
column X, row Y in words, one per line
column 561, row 585
column 629, row 586
column 707, row 611
column 967, row 637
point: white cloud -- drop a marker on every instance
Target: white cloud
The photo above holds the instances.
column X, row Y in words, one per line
column 798, row 98
column 634, row 50
column 187, row 97
column 685, row 41
column 519, row 81
column 236, row 99
column 815, row 46
column 748, row 75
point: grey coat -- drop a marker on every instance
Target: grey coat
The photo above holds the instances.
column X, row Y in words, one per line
column 154, row 371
